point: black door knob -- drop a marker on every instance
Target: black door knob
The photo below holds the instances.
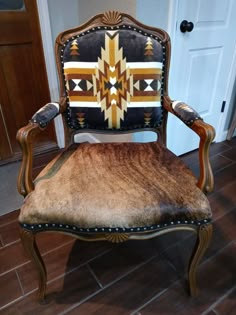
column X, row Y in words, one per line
column 186, row 26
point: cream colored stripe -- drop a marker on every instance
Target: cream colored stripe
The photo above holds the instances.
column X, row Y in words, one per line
column 85, row 104
column 142, row 104
column 80, row 64
column 144, row 65
column 84, row 64
column 129, row 105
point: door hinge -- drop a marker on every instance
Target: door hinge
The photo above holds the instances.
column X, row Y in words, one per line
column 223, row 106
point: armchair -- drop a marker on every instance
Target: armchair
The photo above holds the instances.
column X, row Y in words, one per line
column 113, row 73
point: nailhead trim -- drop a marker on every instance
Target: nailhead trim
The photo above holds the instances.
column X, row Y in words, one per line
column 93, row 29
column 73, row 228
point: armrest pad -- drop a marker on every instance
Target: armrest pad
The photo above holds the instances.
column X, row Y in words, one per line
column 186, row 113
column 45, row 114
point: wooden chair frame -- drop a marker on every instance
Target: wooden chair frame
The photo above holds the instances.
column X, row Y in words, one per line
column 206, row 133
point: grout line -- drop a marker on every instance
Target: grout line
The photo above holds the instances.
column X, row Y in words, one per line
column 223, row 214
column 72, row 307
column 94, row 275
column 106, row 286
column 8, row 222
column 149, row 301
column 28, row 260
column 218, row 301
column 56, row 248
column 225, row 157
column 12, row 243
column 20, row 284
column 223, row 168
column 76, row 268
column 11, row 303
column 216, row 253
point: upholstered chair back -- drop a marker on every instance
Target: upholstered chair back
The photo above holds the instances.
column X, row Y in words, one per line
column 113, row 74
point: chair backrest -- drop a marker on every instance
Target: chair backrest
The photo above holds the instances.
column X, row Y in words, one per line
column 113, row 72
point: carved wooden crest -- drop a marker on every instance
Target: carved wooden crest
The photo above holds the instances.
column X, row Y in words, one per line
column 111, row 17
column 116, row 237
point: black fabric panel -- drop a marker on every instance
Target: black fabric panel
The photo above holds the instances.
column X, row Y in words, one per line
column 132, row 43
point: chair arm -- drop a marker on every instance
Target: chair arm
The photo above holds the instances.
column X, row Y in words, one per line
column 206, row 134
column 25, row 136
column 45, row 114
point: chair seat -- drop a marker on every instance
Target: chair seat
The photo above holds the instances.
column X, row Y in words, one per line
column 128, row 186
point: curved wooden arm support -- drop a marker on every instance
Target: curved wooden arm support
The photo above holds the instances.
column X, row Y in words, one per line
column 25, row 137
column 206, row 134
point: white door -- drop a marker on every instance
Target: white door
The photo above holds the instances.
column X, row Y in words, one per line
column 201, row 64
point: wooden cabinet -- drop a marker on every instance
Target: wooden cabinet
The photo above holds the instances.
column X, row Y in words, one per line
column 23, row 79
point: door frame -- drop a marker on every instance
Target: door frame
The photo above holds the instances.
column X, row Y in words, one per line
column 221, row 132
column 48, row 48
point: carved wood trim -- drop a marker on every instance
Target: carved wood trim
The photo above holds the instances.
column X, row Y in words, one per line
column 111, row 17
column 202, row 243
column 29, row 243
column 117, row 237
column 204, row 233
column 122, row 237
column 206, row 134
column 24, row 136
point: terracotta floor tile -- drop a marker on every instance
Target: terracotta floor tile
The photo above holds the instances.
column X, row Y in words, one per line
column 61, row 294
column 216, row 277
column 12, row 256
column 10, row 233
column 9, row 288
column 128, row 293
column 9, row 217
column 48, row 241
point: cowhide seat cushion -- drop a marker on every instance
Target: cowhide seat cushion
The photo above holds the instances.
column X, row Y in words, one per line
column 127, row 186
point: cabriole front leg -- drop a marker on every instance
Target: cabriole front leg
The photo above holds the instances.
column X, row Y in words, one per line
column 29, row 243
column 203, row 240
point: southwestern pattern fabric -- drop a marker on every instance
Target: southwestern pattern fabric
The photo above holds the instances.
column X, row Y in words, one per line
column 113, row 80
column 185, row 112
column 45, row 114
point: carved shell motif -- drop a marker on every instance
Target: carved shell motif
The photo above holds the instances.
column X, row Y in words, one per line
column 116, row 237
column 111, row 17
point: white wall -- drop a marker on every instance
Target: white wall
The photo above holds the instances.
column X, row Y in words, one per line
column 89, row 8
column 153, row 12
column 63, row 15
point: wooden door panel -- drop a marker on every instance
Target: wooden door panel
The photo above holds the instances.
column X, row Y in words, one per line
column 24, row 85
